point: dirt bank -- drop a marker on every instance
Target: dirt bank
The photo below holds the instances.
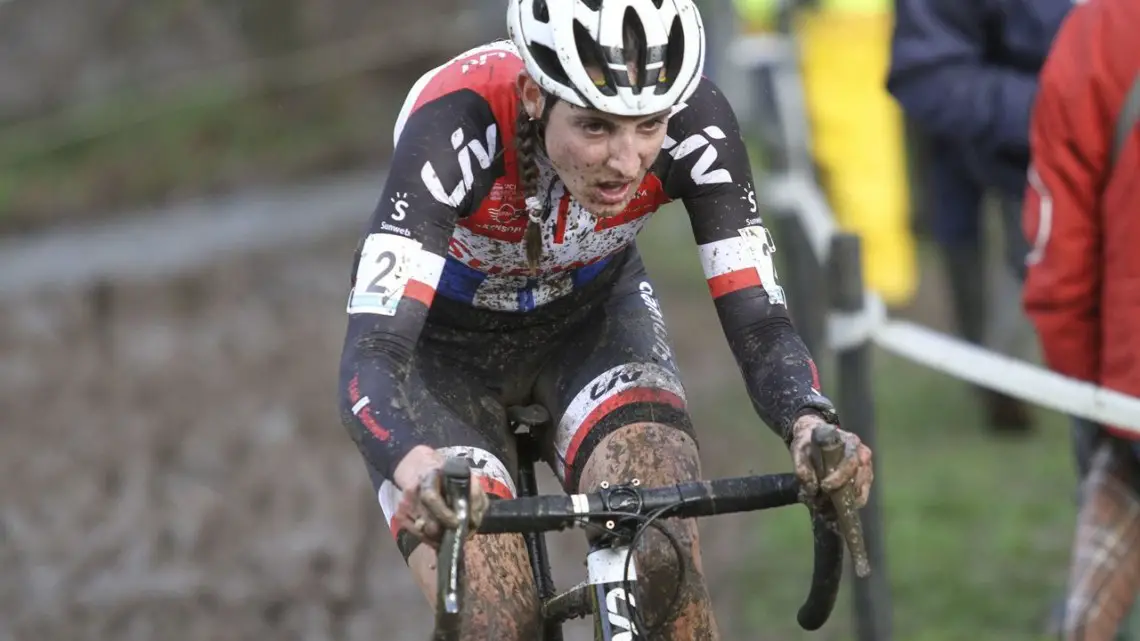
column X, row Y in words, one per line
column 174, row 468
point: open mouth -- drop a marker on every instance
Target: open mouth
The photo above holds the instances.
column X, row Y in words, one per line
column 613, row 192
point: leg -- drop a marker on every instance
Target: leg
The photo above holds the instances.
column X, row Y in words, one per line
column 965, row 270
column 459, row 419
column 955, row 202
column 1003, row 320
column 501, row 599
column 659, row 455
column 1016, row 246
column 965, row 273
column 1086, row 436
column 1007, row 324
column 1105, row 572
column 619, row 406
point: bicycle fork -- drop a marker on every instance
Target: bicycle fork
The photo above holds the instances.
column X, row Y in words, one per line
column 612, row 596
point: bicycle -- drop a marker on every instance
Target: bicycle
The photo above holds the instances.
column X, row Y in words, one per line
column 625, row 512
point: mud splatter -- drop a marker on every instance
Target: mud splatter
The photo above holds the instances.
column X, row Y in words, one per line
column 659, row 455
column 502, row 602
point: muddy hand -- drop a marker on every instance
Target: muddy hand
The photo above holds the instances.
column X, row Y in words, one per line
column 434, row 502
column 837, row 456
column 429, row 513
column 855, row 468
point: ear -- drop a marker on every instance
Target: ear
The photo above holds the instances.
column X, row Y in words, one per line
column 530, row 94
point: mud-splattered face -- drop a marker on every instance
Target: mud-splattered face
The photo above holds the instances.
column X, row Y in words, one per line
column 601, row 158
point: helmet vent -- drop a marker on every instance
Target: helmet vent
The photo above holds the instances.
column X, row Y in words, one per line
column 541, row 11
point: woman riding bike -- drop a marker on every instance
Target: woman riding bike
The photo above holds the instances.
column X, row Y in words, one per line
column 500, row 269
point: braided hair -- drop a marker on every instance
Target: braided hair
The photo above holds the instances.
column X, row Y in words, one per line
column 528, row 138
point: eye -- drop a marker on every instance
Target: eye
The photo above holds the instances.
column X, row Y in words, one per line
column 653, row 125
column 593, row 127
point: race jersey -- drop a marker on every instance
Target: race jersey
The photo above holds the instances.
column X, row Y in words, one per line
column 451, row 220
column 462, row 167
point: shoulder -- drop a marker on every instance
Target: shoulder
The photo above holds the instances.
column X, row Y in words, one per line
column 483, row 77
column 457, row 119
column 703, row 147
column 707, row 108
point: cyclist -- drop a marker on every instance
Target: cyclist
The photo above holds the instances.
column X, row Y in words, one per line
column 500, row 268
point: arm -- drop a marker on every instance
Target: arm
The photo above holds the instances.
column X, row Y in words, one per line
column 939, row 77
column 1071, row 133
column 397, row 268
column 711, row 172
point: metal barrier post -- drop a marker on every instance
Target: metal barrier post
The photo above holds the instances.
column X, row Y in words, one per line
column 872, row 598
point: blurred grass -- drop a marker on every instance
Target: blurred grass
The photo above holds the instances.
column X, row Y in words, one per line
column 978, row 527
column 135, row 152
column 130, row 154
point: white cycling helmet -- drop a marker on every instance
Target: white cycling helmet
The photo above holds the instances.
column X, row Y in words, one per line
column 551, row 34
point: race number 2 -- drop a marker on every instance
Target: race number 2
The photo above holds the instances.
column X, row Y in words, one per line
column 382, row 274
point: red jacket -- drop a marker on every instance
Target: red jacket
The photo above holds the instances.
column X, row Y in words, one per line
column 1082, row 212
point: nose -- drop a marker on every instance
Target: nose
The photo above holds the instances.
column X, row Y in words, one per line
column 624, row 158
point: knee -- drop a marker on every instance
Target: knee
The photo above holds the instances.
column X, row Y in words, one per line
column 653, row 453
column 668, row 566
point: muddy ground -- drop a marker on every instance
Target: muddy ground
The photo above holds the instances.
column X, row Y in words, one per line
column 174, row 467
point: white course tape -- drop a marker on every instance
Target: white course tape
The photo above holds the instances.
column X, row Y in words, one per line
column 938, row 351
column 995, row 371
column 851, row 329
column 758, row 50
column 796, row 192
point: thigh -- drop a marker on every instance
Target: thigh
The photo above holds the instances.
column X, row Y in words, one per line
column 617, row 369
column 460, row 418
column 456, row 415
column 620, row 414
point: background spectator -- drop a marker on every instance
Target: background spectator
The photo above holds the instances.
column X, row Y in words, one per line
column 966, row 75
column 1083, row 287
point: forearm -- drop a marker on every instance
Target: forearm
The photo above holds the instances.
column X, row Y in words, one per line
column 736, row 257
column 779, row 373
